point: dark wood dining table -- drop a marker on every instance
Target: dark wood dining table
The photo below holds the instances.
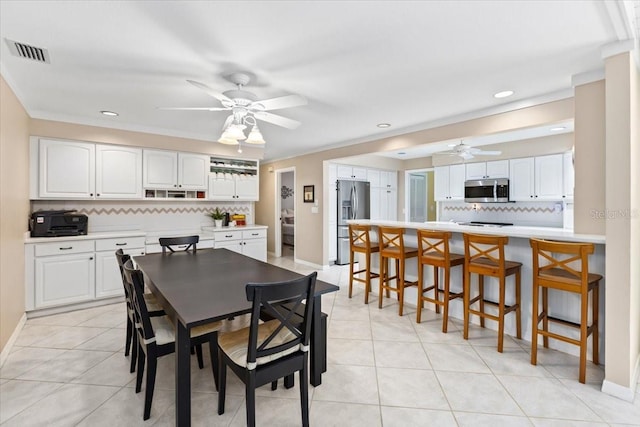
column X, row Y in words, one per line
column 207, row 285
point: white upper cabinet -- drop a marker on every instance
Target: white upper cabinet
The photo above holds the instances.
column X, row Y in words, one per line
column 484, row 170
column 118, row 172
column 166, row 170
column 66, row 169
column 237, row 187
column 351, row 172
column 373, row 176
column 449, row 183
column 539, row 178
column 568, row 173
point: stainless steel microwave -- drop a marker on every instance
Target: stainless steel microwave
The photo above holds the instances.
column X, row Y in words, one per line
column 486, row 190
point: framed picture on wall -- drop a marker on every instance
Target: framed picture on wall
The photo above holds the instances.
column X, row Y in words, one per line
column 308, row 192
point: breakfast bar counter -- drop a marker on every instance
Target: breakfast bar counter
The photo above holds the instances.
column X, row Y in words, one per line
column 564, row 304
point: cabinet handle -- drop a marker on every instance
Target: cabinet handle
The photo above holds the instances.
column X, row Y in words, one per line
column 536, row 196
column 254, row 234
column 66, row 249
column 91, row 194
column 228, row 236
column 121, row 244
column 90, row 258
column 180, row 185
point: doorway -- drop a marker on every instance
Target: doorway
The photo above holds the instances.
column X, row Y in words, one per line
column 285, row 213
column 420, row 205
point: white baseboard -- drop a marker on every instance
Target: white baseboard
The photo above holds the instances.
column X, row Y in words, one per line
column 12, row 339
column 621, row 392
column 310, row 264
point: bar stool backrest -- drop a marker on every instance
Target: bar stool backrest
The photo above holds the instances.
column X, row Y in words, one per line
column 566, row 260
column 391, row 239
column 359, row 236
column 434, row 246
column 485, row 250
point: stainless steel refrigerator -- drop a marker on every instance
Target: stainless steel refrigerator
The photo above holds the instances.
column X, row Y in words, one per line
column 353, row 203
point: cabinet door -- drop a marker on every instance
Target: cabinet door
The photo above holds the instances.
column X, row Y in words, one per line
column 160, row 169
column 373, row 176
column 344, row 172
column 64, row 279
column 476, row 170
column 389, row 179
column 497, row 169
column 193, row 171
column 521, row 179
column 359, row 174
column 255, row 248
column 391, row 201
column 375, row 203
column 232, row 245
column 108, row 279
column 441, row 183
column 549, row 177
column 67, row 169
column 456, row 182
column 222, row 186
column 246, row 187
column 118, row 172
column 568, row 174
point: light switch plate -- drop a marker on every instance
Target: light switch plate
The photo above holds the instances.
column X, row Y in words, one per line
column 314, row 210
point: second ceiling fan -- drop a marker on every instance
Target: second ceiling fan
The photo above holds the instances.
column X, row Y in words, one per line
column 467, row 152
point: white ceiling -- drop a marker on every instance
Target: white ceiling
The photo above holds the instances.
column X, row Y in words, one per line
column 358, row 63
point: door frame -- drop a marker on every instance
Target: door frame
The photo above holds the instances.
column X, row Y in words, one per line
column 277, row 226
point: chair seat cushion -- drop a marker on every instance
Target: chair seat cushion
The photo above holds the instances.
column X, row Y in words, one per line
column 164, row 329
column 235, row 344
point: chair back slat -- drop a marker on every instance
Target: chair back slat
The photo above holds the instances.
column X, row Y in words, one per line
column 190, row 242
column 552, row 257
column 359, row 235
column 434, row 243
column 391, row 237
column 280, row 300
column 485, row 248
column 135, row 280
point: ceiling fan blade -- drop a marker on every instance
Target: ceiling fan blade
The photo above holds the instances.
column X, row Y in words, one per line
column 279, row 103
column 276, row 119
column 489, row 153
column 446, row 153
column 217, row 95
column 195, row 108
column 466, row 155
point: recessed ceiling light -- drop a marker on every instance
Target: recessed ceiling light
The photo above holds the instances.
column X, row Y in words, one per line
column 503, row 94
column 384, row 125
column 557, row 129
column 109, row 113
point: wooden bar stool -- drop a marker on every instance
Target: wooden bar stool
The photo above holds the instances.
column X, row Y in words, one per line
column 391, row 243
column 360, row 242
column 484, row 256
column 559, row 273
column 433, row 249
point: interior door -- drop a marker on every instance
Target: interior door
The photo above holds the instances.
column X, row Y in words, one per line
column 418, row 197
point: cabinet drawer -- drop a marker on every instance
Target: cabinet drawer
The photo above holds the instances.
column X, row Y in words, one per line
column 119, row 243
column 254, row 234
column 63, row 248
column 223, row 236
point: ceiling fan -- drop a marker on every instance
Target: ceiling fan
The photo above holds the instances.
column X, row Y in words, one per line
column 467, row 152
column 245, row 109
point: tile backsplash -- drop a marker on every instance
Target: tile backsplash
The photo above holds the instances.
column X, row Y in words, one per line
column 147, row 216
column 540, row 214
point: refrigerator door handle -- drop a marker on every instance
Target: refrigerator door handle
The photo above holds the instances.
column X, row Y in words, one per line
column 355, row 190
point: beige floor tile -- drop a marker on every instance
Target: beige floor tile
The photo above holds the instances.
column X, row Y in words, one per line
column 65, row 406
column 545, row 422
column 32, row 334
column 473, row 392
column 388, row 314
column 350, row 352
column 204, row 411
column 270, row 411
column 394, row 331
column 488, row 337
column 546, row 398
column 411, row 388
column 412, row 417
column 66, row 366
column 110, row 319
column 349, row 329
column 113, row 371
column 392, row 354
column 348, row 384
column 609, row 408
column 70, row 337
column 457, row 358
column 27, row 358
column 470, row 419
column 563, row 365
column 343, row 312
column 16, row 396
column 109, row 340
column 334, row 414
column 72, row 318
column 512, row 361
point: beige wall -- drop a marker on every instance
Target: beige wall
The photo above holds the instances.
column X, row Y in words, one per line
column 589, row 132
column 622, row 346
column 14, row 208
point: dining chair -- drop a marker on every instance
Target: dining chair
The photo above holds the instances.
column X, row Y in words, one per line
column 184, row 242
column 564, row 266
column 263, row 352
column 131, row 340
column 156, row 337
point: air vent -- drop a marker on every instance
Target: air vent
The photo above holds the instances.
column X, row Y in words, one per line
column 29, row 52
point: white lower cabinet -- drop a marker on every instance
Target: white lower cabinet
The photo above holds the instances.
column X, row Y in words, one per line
column 108, row 280
column 64, row 279
column 252, row 243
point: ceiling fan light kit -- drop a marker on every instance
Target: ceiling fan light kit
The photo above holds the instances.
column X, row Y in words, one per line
column 246, row 110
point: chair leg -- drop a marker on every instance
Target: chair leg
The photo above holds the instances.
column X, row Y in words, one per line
column 465, row 298
column 351, row 270
column 199, row 355
column 420, row 291
column 304, row 394
column 367, row 283
column 518, row 309
column 141, row 359
column 134, row 352
column 274, row 385
column 250, row 397
column 481, row 302
column 445, row 305
column 382, row 280
column 151, row 383
column 501, row 314
column 222, row 382
column 584, row 313
column 594, row 318
column 213, row 354
column 400, row 282
column 545, row 314
column 289, row 381
column 436, row 289
column 129, row 337
column 535, row 320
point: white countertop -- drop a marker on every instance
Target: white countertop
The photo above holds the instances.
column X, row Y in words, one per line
column 524, row 232
column 151, row 237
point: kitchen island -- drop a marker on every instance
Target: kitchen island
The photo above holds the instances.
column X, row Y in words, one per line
column 562, row 304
